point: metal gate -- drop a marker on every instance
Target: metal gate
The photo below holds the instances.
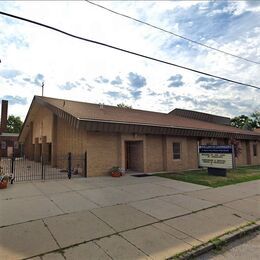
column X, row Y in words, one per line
column 68, row 166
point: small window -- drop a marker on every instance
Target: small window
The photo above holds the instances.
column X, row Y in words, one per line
column 176, row 151
column 3, row 145
column 255, row 149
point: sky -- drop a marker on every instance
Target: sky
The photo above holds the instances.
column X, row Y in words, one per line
column 82, row 71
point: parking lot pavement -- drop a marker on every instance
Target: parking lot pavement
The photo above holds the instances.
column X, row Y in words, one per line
column 117, row 218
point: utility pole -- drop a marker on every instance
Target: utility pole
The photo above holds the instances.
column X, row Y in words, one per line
column 42, row 88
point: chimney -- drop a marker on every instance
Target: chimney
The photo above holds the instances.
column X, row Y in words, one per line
column 4, row 116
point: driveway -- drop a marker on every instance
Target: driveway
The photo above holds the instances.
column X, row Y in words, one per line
column 118, row 218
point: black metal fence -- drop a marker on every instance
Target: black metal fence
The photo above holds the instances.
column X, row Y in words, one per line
column 68, row 166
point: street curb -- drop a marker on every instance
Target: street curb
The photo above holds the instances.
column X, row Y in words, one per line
column 217, row 242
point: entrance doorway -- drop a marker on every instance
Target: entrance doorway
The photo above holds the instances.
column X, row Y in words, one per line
column 10, row 151
column 134, row 157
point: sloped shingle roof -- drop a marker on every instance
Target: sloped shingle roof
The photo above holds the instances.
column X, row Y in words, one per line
column 88, row 111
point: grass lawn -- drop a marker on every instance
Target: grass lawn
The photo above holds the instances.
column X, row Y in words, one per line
column 240, row 174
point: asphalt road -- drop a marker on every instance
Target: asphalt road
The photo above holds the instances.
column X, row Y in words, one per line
column 247, row 247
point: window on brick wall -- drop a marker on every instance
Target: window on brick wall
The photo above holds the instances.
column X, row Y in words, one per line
column 255, row 149
column 176, row 147
column 3, row 145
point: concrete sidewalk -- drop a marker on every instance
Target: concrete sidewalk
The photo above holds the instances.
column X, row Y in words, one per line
column 244, row 248
column 118, row 218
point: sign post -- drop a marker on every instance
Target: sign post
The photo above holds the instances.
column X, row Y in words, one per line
column 217, row 158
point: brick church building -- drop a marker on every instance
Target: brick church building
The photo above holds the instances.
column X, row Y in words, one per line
column 133, row 139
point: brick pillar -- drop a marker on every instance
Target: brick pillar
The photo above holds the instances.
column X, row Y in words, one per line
column 31, row 146
column 54, row 142
column 28, row 144
column 4, row 116
column 164, row 151
column 45, row 150
column 1, row 151
column 37, row 150
column 248, row 153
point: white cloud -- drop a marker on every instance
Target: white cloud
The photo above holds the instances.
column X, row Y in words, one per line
column 63, row 60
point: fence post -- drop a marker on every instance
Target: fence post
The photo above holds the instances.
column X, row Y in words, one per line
column 42, row 168
column 12, row 169
column 12, row 164
column 86, row 164
column 69, row 165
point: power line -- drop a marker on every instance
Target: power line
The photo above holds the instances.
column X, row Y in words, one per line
column 172, row 33
column 125, row 51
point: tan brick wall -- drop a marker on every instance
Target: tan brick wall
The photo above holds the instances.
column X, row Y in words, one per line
column 241, row 159
column 154, row 148
column 37, row 151
column 108, row 149
column 28, row 144
column 192, row 144
column 68, row 139
column 42, row 125
column 208, row 141
column 102, row 148
column 189, row 151
column 255, row 159
column 103, row 152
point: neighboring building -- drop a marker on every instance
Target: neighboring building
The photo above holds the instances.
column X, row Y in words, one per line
column 132, row 139
column 9, row 145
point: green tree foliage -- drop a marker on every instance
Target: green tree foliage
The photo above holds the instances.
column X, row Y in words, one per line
column 122, row 105
column 247, row 122
column 243, row 122
column 14, row 124
column 256, row 117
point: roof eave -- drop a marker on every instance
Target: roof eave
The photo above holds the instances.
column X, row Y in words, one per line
column 139, row 128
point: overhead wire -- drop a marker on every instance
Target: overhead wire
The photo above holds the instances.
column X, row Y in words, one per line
column 124, row 50
column 170, row 32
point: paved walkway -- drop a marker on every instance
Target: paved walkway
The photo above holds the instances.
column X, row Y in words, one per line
column 118, row 218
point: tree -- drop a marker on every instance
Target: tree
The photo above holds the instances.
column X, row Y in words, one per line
column 122, row 105
column 245, row 122
column 14, row 124
column 242, row 121
column 237, row 147
column 256, row 117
